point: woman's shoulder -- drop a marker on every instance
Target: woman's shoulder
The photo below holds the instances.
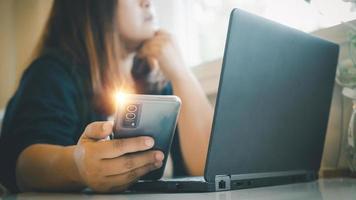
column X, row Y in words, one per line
column 48, row 63
column 53, row 69
column 49, row 77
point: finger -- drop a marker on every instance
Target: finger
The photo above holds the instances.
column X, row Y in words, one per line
column 98, row 130
column 162, row 38
column 162, row 35
column 152, row 62
column 158, row 39
column 124, row 164
column 118, row 147
column 152, row 51
column 129, row 177
column 161, row 32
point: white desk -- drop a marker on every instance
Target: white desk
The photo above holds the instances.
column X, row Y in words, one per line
column 326, row 189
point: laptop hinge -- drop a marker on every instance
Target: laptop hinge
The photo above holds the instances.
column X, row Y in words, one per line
column 222, row 182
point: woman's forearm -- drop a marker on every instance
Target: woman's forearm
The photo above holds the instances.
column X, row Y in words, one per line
column 194, row 122
column 94, row 162
column 196, row 114
column 43, row 167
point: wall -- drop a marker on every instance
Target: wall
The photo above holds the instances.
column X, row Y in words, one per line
column 7, row 52
column 334, row 156
column 21, row 25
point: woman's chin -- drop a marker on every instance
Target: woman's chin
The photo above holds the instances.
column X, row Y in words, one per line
column 146, row 35
column 150, row 33
column 135, row 41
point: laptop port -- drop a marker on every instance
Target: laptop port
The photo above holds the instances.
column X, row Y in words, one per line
column 222, row 184
column 238, row 184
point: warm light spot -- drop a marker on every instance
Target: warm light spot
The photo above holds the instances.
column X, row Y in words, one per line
column 120, row 97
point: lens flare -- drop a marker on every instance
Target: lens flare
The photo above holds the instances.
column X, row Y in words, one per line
column 120, row 97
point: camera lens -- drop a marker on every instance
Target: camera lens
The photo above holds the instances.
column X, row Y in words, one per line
column 131, row 108
column 130, row 116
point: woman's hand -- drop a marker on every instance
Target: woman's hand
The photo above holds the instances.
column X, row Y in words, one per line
column 164, row 51
column 113, row 165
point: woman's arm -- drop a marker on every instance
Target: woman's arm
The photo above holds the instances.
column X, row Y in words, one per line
column 102, row 165
column 194, row 122
column 196, row 113
column 48, row 168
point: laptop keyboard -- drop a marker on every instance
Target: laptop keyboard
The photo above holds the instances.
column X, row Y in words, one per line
column 185, row 179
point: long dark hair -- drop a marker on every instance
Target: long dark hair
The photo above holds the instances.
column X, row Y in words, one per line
column 88, row 32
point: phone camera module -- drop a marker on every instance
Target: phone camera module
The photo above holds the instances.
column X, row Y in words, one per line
column 131, row 108
column 130, row 116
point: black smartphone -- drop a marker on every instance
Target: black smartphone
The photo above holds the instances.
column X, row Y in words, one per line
column 148, row 115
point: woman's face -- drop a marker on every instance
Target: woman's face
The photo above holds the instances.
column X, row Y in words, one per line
column 136, row 21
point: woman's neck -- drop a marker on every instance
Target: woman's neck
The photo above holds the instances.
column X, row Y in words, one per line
column 127, row 62
column 126, row 68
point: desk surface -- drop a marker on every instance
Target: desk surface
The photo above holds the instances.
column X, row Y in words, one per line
column 333, row 189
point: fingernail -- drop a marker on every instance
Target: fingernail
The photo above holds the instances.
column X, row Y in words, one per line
column 149, row 142
column 107, row 126
column 159, row 156
column 158, row 164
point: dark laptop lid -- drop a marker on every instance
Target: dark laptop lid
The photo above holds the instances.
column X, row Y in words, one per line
column 273, row 102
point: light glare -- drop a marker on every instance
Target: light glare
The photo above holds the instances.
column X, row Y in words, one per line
column 120, row 97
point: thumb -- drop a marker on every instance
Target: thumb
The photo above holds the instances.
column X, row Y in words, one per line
column 97, row 131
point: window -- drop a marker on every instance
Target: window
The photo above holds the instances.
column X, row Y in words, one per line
column 200, row 26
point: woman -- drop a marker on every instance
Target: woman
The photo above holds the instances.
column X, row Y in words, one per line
column 53, row 136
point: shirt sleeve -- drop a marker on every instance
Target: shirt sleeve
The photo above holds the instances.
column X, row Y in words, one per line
column 179, row 169
column 43, row 110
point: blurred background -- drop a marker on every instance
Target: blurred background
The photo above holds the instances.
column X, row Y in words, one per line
column 200, row 26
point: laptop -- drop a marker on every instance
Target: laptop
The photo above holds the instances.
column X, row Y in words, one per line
column 271, row 112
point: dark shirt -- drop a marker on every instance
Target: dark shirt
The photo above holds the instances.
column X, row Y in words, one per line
column 52, row 105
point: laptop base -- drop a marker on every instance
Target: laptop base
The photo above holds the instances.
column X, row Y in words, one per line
column 198, row 184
